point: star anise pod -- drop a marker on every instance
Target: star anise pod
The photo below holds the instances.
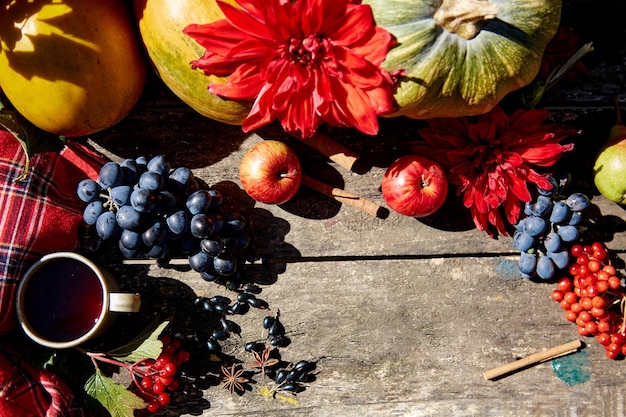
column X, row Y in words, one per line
column 262, row 361
column 233, row 378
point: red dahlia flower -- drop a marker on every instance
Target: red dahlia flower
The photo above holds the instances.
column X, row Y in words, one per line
column 491, row 160
column 303, row 62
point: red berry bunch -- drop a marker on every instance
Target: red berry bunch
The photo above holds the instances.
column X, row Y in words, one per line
column 593, row 297
column 156, row 378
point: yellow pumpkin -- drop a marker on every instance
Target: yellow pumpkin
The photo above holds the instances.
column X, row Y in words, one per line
column 71, row 67
column 161, row 24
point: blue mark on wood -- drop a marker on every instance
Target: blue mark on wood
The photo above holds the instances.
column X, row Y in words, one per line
column 508, row 269
column 573, row 369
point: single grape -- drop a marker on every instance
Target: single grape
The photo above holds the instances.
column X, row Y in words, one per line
column 88, row 190
column 165, row 204
column 560, row 258
column 576, row 218
column 199, row 261
column 142, row 162
column 535, row 226
column 542, row 206
column 201, row 226
column 126, row 253
column 225, row 265
column 213, row 246
column 128, row 218
column 181, row 178
column 560, row 213
column 121, row 195
column 155, row 234
column 178, row 222
column 111, row 174
column 159, row 165
column 151, row 180
column 527, row 263
column 528, row 211
column 142, row 199
column 523, row 241
column 552, row 242
column 130, row 171
column 209, row 274
column 545, row 267
column 157, row 251
column 92, row 212
column 216, row 199
column 519, row 226
column 577, row 202
column 568, row 233
column 130, row 239
column 106, row 225
column 199, row 202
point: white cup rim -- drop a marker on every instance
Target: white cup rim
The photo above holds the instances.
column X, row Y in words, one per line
column 20, row 301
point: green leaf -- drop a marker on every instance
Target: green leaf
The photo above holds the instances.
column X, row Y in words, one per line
column 118, row 400
column 146, row 345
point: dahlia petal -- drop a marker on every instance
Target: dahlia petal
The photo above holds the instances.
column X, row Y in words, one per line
column 246, row 19
column 311, row 14
column 275, row 15
column 519, row 186
column 539, row 180
column 356, row 107
column 218, row 37
column 242, row 85
column 374, row 49
column 545, row 155
column 354, row 26
column 359, row 72
column 528, row 121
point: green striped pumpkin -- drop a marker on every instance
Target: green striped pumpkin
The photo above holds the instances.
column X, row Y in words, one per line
column 462, row 57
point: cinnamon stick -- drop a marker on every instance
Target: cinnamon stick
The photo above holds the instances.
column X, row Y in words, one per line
column 345, row 197
column 535, row 358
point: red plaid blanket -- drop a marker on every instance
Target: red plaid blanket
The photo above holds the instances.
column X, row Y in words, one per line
column 39, row 214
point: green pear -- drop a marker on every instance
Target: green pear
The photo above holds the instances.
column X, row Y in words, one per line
column 609, row 171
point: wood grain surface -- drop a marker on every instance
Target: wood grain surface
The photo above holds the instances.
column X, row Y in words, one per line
column 401, row 315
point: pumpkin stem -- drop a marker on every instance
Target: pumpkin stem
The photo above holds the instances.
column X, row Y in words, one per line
column 465, row 17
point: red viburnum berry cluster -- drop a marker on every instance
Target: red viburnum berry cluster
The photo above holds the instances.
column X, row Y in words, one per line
column 156, row 378
column 593, row 297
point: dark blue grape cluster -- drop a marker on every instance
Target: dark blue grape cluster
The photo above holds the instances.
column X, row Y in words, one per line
column 158, row 212
column 550, row 227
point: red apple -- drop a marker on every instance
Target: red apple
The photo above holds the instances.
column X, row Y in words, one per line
column 270, row 172
column 415, row 186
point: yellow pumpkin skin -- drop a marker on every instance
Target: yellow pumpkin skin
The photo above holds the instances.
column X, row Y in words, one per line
column 71, row 67
column 463, row 70
column 161, row 24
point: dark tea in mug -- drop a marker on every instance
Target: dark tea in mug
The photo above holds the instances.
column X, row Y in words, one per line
column 63, row 300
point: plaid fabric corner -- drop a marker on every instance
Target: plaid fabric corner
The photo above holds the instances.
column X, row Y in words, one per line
column 41, row 212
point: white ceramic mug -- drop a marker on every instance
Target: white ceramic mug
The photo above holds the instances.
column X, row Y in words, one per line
column 65, row 299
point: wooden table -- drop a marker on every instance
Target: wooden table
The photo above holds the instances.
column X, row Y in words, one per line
column 402, row 316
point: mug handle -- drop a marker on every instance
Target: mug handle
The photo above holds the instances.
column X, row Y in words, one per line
column 124, row 302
